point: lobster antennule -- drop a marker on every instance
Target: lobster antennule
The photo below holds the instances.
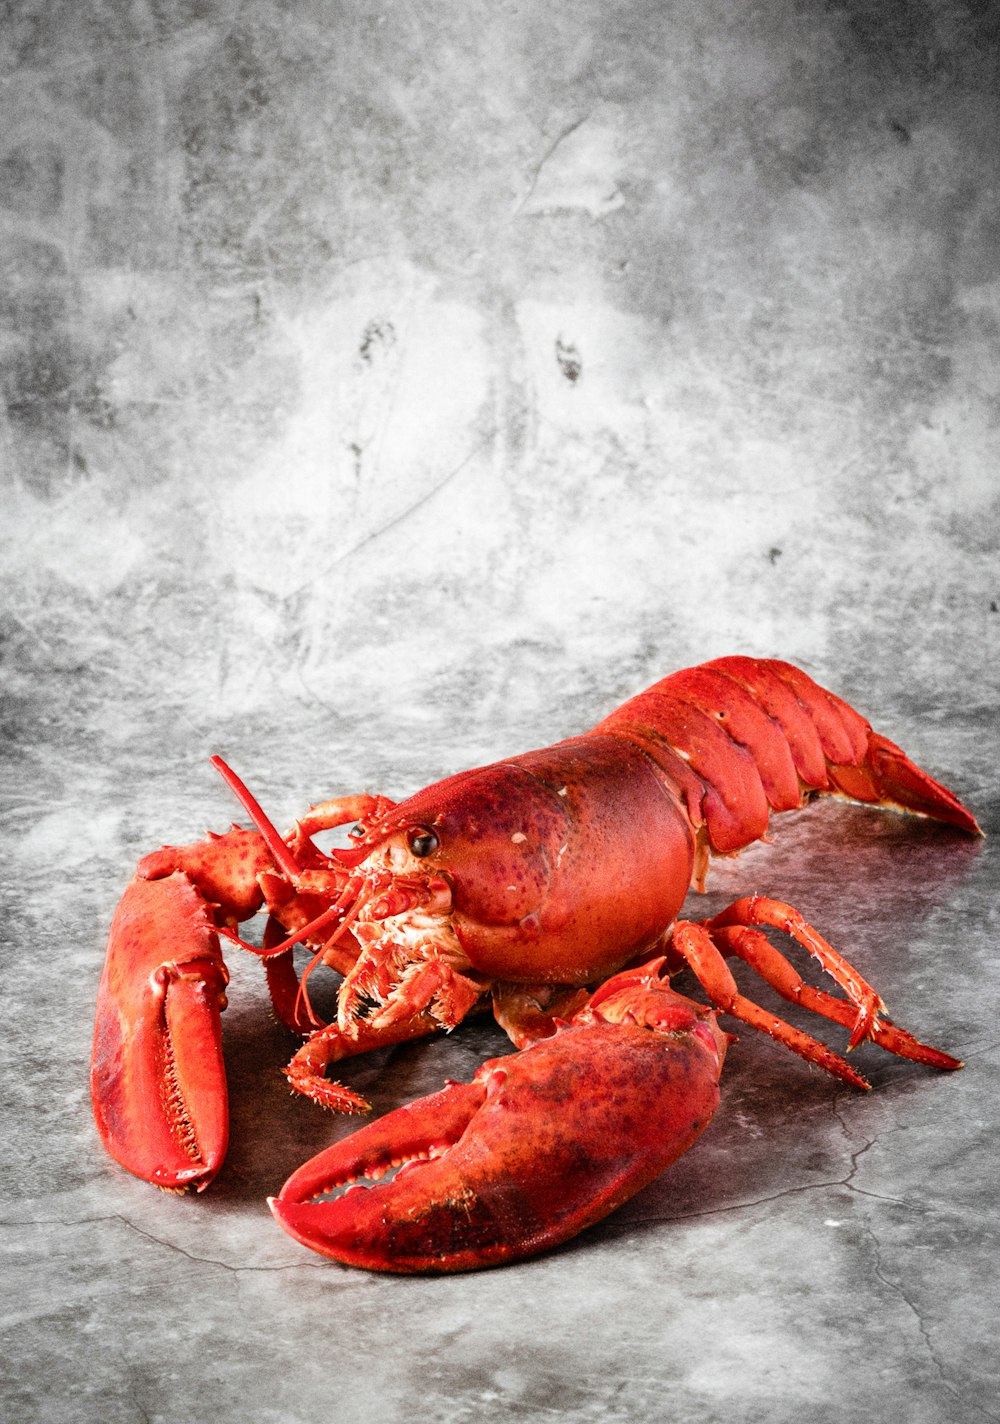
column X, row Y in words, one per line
column 282, row 855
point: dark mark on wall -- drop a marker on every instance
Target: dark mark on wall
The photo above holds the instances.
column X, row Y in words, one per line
column 569, row 360
column 376, row 334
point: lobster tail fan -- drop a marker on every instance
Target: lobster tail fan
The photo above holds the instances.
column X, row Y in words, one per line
column 902, row 783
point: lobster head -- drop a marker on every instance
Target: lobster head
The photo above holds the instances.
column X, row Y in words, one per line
column 489, row 834
column 461, row 886
column 509, row 873
column 514, row 870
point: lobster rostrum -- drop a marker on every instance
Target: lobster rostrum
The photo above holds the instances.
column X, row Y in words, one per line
column 547, row 885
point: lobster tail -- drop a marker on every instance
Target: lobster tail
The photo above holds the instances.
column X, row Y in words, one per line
column 889, row 778
column 739, row 737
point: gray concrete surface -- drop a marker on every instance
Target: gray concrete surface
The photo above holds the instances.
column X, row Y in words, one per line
column 389, row 388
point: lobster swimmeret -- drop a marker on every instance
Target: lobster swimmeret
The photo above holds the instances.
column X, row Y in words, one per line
column 548, row 884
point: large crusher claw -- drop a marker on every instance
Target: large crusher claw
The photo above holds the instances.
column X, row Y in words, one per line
column 537, row 1147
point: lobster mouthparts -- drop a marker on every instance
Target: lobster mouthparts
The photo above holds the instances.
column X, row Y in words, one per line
column 538, row 1146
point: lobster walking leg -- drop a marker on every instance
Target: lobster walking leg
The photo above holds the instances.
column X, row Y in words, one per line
column 754, row 949
column 702, row 945
column 306, row 1072
column 694, row 943
column 759, row 910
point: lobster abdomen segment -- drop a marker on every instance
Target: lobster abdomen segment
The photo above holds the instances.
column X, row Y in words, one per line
column 740, row 737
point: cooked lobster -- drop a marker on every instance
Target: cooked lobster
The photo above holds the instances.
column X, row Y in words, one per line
column 548, row 885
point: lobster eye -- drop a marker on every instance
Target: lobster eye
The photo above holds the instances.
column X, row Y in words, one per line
column 356, row 832
column 423, row 843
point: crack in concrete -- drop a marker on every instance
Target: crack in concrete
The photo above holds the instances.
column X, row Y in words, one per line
column 855, row 1158
column 777, row 1196
column 157, row 1240
column 423, row 498
column 896, row 1288
column 845, row 1181
column 980, row 1052
column 133, row 1391
column 60, row 1221
column 213, row 1260
column 545, row 158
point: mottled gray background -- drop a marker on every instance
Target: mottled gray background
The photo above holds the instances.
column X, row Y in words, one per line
column 387, row 388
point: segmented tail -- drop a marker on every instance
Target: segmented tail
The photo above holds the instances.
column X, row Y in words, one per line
column 740, row 737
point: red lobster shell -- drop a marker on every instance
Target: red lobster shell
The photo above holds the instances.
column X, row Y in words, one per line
column 530, row 883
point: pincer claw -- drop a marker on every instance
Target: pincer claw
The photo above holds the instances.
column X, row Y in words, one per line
column 158, row 1082
column 538, row 1146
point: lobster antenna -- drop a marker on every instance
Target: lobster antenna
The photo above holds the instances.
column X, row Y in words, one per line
column 348, row 920
column 249, row 802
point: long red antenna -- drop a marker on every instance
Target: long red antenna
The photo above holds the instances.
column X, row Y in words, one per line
column 248, row 801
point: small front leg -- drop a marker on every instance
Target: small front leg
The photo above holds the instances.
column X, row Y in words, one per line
column 527, row 1013
column 307, row 1070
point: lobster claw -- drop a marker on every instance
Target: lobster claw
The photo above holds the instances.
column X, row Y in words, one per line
column 537, row 1147
column 157, row 1081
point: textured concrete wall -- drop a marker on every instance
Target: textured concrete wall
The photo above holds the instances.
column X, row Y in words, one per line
column 389, row 387
column 474, row 350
